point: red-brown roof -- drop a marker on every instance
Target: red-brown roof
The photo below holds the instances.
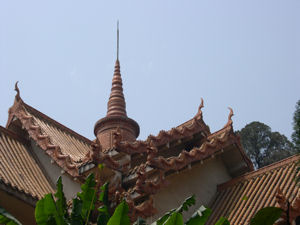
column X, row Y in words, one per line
column 67, row 148
column 70, row 142
column 147, row 178
column 240, row 198
column 18, row 168
column 212, row 145
column 187, row 129
column 157, row 156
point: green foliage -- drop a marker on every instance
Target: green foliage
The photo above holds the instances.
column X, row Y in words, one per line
column 222, row 221
column 104, row 215
column 120, row 216
column 50, row 211
column 174, row 219
column 61, row 203
column 7, row 218
column 46, row 212
column 264, row 146
column 76, row 218
column 183, row 207
column 186, row 204
column 103, row 197
column 266, row 216
column 140, row 221
column 164, row 218
column 87, row 196
column 296, row 127
column 174, row 216
column 200, row 216
column 104, row 209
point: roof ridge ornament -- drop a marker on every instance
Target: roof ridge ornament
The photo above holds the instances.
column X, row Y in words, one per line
column 199, row 113
column 229, row 122
column 18, row 97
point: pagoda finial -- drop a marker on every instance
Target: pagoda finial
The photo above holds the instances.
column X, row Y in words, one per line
column 116, row 126
column 118, row 40
column 116, row 105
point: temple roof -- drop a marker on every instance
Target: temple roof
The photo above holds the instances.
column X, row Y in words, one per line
column 151, row 172
column 66, row 147
column 151, row 160
column 240, row 198
column 18, row 168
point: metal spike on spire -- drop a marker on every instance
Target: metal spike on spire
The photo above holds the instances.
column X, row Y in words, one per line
column 118, row 40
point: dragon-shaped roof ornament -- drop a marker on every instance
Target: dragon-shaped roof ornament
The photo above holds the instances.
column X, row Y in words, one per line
column 231, row 114
column 199, row 113
column 18, row 97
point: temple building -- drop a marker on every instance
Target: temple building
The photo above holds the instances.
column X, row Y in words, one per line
column 153, row 175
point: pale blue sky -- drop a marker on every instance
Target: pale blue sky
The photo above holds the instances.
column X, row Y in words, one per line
column 243, row 54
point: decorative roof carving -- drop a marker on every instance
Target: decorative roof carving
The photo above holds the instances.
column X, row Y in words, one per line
column 144, row 210
column 147, row 184
column 146, row 181
column 18, row 91
column 229, row 122
column 187, row 129
column 199, row 113
column 36, row 132
column 98, row 157
column 207, row 149
column 144, row 185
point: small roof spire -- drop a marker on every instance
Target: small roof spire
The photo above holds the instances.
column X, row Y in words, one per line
column 118, row 40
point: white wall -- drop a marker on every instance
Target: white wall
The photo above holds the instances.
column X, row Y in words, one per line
column 54, row 171
column 201, row 180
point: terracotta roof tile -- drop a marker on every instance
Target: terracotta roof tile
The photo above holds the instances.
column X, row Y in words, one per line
column 187, row 129
column 18, row 168
column 69, row 144
column 212, row 145
column 66, row 147
column 240, row 198
column 148, row 177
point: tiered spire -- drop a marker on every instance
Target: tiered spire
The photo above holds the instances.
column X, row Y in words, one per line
column 116, row 117
column 116, row 105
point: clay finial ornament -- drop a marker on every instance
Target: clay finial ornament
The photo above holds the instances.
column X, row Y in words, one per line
column 229, row 122
column 18, row 91
column 199, row 113
column 230, row 114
